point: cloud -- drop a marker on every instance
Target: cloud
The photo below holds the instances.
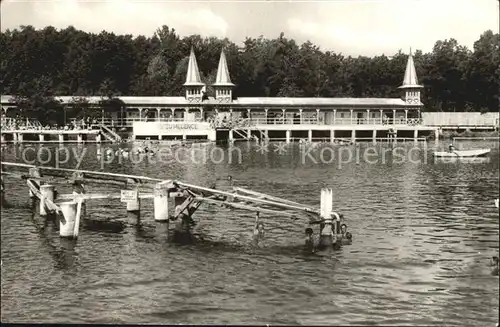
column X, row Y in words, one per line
column 387, row 26
column 120, row 16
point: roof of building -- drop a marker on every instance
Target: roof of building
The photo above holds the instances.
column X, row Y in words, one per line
column 193, row 74
column 223, row 78
column 244, row 101
column 410, row 80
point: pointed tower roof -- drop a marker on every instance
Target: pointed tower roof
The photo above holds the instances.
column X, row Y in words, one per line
column 410, row 79
column 193, row 74
column 223, row 78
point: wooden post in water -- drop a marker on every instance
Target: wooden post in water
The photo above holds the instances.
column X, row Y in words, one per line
column 160, row 202
column 70, row 222
column 79, row 190
column 133, row 205
column 35, row 175
column 2, row 190
column 47, row 192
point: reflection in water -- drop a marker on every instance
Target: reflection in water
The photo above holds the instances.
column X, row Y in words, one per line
column 424, row 233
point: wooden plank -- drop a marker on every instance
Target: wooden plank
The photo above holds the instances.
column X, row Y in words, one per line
column 246, row 207
column 66, row 197
column 250, row 199
column 48, row 203
column 265, row 196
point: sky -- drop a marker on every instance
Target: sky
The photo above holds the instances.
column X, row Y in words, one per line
column 351, row 27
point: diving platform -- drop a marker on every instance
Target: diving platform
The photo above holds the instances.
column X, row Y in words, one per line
column 172, row 200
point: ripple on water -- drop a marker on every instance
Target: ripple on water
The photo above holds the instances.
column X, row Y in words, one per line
column 423, row 237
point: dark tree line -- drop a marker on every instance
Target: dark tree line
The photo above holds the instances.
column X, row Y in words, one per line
column 39, row 64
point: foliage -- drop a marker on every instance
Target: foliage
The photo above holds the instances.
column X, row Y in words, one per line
column 37, row 65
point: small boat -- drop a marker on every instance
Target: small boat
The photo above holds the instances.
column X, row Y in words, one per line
column 463, row 153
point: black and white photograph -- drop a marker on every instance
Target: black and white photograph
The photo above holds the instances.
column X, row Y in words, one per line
column 250, row 162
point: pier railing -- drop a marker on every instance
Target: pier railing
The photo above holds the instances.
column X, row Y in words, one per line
column 248, row 122
column 337, row 121
column 348, row 140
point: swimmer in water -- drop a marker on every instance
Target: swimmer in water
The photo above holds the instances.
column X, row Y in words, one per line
column 309, row 241
column 494, row 263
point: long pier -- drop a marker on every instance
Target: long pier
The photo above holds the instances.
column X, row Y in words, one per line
column 49, row 136
column 173, row 201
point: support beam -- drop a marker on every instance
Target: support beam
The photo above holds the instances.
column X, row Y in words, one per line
column 288, row 134
column 332, row 136
column 310, row 135
column 374, row 136
column 41, row 137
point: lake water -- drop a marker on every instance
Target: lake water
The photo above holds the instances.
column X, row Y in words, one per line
column 423, row 235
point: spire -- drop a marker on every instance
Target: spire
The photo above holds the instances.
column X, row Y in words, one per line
column 193, row 74
column 410, row 79
column 223, row 78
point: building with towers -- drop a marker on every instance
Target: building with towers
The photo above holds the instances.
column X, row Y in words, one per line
column 221, row 115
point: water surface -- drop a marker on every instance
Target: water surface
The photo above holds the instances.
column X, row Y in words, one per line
column 424, row 232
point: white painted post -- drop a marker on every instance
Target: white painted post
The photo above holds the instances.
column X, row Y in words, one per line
column 353, row 136
column 67, row 223
column 374, row 136
column 2, row 140
column 41, row 137
column 288, row 134
column 436, row 133
column 310, row 135
column 415, row 134
column 325, row 238
column 47, row 192
column 332, row 136
column 160, row 202
column 20, row 137
column 231, row 136
column 80, row 138
column 61, row 138
column 98, row 138
column 249, row 134
column 98, row 150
